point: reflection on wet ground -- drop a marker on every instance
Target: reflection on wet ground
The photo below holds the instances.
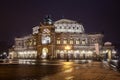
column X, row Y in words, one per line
column 58, row 71
column 19, row 72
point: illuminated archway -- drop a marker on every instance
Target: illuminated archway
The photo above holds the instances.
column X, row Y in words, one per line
column 44, row 53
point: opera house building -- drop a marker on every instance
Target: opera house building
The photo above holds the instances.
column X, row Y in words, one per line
column 61, row 39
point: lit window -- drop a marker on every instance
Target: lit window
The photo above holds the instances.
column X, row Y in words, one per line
column 71, row 41
column 65, row 42
column 58, row 41
column 30, row 42
column 57, row 51
column 83, row 42
column 77, row 42
column 34, row 42
column 46, row 39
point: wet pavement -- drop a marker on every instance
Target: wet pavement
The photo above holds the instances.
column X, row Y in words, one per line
column 58, row 71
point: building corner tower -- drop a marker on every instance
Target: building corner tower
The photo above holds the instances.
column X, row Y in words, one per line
column 45, row 39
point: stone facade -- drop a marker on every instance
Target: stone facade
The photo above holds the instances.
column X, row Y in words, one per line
column 50, row 39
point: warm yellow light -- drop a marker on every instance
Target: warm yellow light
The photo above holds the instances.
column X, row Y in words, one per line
column 67, row 47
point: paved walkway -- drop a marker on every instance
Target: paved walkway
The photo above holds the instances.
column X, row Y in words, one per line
column 94, row 71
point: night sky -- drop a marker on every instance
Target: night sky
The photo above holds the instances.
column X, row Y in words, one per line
column 17, row 17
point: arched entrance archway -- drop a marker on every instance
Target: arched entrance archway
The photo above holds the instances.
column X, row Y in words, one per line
column 44, row 53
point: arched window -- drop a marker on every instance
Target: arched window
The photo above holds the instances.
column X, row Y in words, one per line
column 34, row 43
column 77, row 41
column 83, row 42
column 71, row 41
column 64, row 41
column 58, row 41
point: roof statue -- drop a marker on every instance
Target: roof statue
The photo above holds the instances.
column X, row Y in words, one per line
column 48, row 20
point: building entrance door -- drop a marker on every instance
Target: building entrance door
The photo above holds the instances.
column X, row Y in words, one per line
column 44, row 53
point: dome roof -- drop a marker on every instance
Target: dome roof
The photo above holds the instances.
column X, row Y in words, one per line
column 66, row 25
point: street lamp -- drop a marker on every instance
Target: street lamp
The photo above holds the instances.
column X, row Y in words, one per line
column 67, row 48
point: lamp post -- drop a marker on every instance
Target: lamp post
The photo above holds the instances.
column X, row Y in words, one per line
column 67, row 48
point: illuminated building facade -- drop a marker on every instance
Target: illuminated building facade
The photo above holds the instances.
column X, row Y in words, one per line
column 50, row 40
